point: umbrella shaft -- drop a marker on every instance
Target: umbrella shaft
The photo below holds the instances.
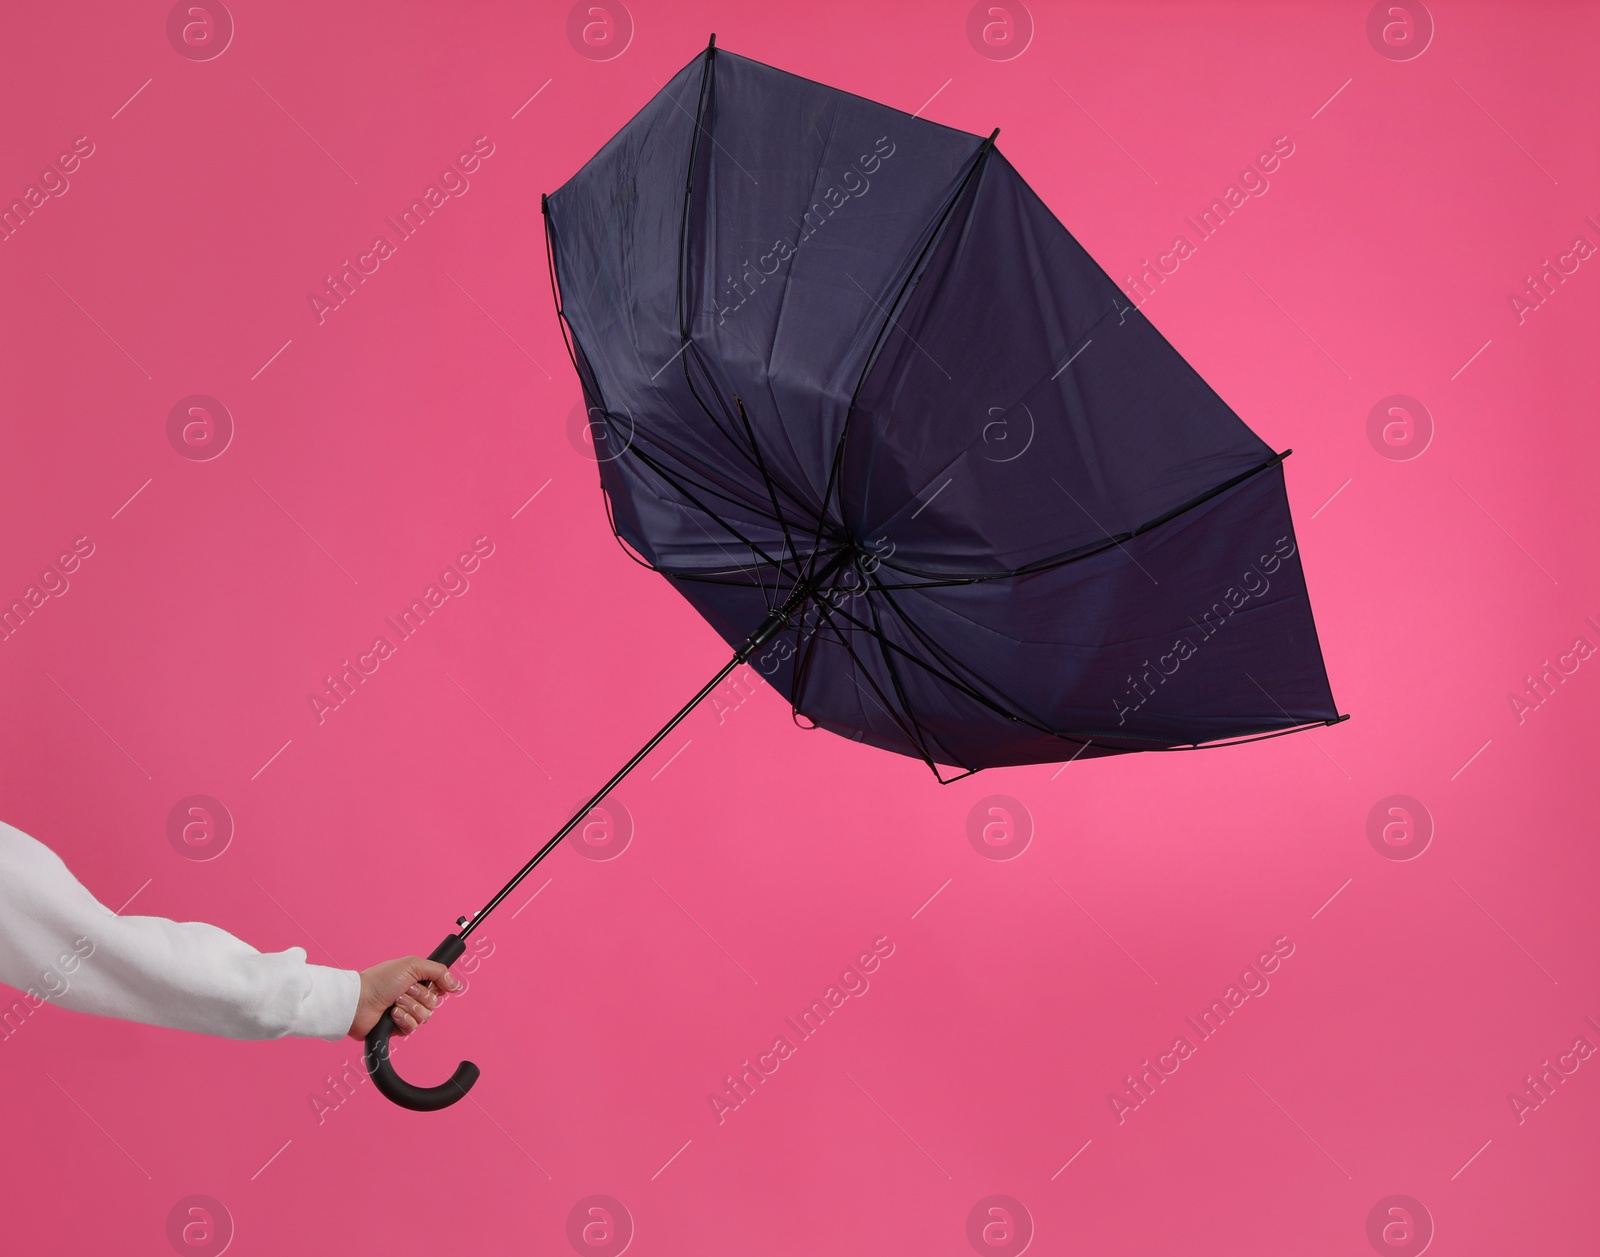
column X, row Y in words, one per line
column 770, row 626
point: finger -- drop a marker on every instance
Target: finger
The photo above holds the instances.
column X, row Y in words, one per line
column 439, row 975
column 424, row 995
column 418, row 1013
column 404, row 1022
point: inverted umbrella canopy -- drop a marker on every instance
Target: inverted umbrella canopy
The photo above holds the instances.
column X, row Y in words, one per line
column 889, row 428
column 828, row 346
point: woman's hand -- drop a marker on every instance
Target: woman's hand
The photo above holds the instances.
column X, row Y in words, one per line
column 403, row 985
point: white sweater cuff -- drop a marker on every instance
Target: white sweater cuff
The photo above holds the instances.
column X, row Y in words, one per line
column 329, row 1005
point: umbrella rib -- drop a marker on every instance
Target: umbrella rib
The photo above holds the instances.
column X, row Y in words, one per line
column 803, row 669
column 910, row 733
column 774, row 598
column 710, row 578
column 1106, row 739
column 611, row 519
column 707, row 82
column 710, row 490
column 678, row 480
column 761, row 466
column 568, row 337
column 899, row 688
column 956, row 668
column 570, row 341
column 694, row 352
column 956, row 683
column 934, row 234
column 717, row 543
column 755, row 462
column 711, row 515
column 1050, row 563
column 688, row 190
column 953, row 681
column 1242, row 738
column 1022, row 394
column 884, row 642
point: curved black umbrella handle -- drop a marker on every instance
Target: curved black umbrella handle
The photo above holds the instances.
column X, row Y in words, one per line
column 381, row 1068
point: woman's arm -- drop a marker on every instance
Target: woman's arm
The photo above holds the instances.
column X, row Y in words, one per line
column 59, row 943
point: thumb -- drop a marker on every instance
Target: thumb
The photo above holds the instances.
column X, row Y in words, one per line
column 438, row 974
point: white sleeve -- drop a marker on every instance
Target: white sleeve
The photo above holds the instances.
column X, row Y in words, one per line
column 59, row 943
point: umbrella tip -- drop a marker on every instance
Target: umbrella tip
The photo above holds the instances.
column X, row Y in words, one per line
column 544, row 203
column 713, row 42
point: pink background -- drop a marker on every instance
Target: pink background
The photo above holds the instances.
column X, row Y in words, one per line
column 370, row 449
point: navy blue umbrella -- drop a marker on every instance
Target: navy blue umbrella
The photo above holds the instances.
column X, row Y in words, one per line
column 890, row 429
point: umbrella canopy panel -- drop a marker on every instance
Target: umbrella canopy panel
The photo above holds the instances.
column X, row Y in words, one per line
column 828, row 343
